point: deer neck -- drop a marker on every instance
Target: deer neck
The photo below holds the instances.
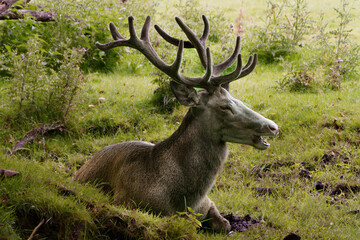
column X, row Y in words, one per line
column 196, row 144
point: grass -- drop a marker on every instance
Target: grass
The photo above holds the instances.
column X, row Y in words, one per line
column 313, row 126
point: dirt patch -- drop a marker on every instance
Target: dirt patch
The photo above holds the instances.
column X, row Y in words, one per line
column 292, row 236
column 241, row 224
column 272, row 166
column 52, row 227
column 262, row 191
column 259, row 173
column 338, row 193
column 345, row 189
column 335, row 124
column 305, row 174
column 331, row 157
column 321, row 186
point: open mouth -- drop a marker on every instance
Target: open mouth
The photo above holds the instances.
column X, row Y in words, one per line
column 260, row 143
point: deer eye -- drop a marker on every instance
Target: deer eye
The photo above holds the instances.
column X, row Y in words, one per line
column 226, row 108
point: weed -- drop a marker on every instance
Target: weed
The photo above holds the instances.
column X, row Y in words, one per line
column 298, row 78
column 327, row 59
column 285, row 26
column 41, row 93
column 338, row 52
column 163, row 97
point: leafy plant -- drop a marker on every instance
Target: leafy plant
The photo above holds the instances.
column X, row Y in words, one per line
column 80, row 25
column 285, row 26
column 337, row 51
column 328, row 59
column 298, row 77
column 38, row 92
column 163, row 97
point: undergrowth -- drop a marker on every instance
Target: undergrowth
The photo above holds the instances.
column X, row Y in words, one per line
column 305, row 183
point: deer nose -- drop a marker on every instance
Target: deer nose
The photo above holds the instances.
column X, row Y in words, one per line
column 273, row 128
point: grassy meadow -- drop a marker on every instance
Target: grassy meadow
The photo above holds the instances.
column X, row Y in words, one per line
column 307, row 182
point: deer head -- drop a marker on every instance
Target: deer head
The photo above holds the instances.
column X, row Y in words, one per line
column 226, row 117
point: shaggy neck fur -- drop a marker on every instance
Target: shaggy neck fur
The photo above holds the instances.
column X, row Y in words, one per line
column 196, row 156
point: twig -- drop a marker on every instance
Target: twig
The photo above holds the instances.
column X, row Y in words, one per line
column 34, row 134
column 7, row 173
column 35, row 229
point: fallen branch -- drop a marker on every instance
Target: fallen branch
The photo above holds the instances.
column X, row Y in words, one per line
column 34, row 134
column 35, row 229
column 19, row 14
column 6, row 4
column 8, row 13
column 7, row 173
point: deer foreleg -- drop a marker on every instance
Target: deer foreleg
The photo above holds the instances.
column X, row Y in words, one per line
column 212, row 216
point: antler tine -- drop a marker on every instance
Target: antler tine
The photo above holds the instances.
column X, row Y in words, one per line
column 216, row 81
column 239, row 72
column 198, row 45
column 187, row 44
column 249, row 67
column 177, row 62
column 145, row 30
column 204, row 81
column 114, row 32
column 206, row 31
column 170, row 39
column 219, row 68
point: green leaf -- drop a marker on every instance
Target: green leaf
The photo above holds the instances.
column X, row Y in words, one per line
column 8, row 48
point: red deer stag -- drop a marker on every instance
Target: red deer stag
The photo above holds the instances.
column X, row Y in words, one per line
column 180, row 171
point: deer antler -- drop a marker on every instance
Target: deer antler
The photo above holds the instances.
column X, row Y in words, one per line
column 144, row 46
column 211, row 78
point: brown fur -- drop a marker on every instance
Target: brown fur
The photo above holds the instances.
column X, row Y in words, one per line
column 154, row 176
column 178, row 172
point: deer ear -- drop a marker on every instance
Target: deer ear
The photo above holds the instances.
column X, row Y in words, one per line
column 186, row 95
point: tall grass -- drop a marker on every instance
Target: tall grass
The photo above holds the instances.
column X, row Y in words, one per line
column 318, row 145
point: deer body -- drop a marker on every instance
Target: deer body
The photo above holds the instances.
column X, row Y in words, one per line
column 167, row 175
column 179, row 172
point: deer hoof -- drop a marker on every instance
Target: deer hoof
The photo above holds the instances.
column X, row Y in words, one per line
column 221, row 225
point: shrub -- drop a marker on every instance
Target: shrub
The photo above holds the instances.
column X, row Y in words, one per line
column 163, row 97
column 285, row 26
column 298, row 77
column 79, row 25
column 37, row 92
column 328, row 60
column 336, row 50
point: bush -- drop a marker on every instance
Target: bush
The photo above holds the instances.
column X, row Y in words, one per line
column 286, row 24
column 298, row 77
column 163, row 97
column 78, row 24
column 326, row 61
column 336, row 50
column 37, row 92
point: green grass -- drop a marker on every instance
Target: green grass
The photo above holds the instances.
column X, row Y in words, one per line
column 311, row 125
